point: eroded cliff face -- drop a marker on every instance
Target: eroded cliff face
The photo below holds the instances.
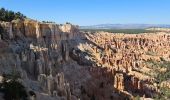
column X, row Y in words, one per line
column 135, row 60
column 38, row 51
column 60, row 62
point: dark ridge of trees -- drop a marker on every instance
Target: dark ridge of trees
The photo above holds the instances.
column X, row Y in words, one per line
column 126, row 31
column 48, row 22
column 68, row 23
column 8, row 15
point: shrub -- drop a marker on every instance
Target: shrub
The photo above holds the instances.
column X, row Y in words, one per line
column 12, row 88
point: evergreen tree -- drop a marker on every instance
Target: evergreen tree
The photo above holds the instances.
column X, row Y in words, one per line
column 8, row 15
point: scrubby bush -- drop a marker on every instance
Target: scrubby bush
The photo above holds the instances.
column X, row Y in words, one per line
column 12, row 88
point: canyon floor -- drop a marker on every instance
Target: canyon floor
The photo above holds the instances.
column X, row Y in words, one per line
column 60, row 62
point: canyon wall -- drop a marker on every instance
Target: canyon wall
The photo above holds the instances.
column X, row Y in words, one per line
column 60, row 62
column 34, row 50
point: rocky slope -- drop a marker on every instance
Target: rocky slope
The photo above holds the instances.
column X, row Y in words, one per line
column 40, row 53
column 58, row 62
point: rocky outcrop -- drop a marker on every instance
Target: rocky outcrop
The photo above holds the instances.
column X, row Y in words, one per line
column 55, row 86
column 35, row 49
column 60, row 62
column 131, row 56
column 119, row 81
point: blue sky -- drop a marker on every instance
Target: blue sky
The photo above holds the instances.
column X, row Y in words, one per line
column 92, row 12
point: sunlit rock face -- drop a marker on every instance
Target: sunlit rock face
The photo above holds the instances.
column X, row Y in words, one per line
column 60, row 62
column 132, row 58
column 55, row 86
column 36, row 50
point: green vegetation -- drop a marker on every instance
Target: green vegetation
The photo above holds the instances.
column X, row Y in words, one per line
column 165, row 93
column 68, row 23
column 48, row 22
column 137, row 97
column 12, row 88
column 127, row 31
column 151, row 53
column 8, row 15
column 162, row 76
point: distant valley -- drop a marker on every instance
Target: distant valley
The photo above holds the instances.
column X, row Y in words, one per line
column 125, row 26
